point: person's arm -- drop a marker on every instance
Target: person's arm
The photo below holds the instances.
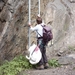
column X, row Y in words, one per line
column 32, row 28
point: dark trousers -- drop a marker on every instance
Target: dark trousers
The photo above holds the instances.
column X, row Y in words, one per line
column 42, row 47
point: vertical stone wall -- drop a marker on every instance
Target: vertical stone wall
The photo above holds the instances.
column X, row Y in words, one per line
column 60, row 14
column 13, row 28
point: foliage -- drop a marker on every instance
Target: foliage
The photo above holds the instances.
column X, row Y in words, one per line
column 15, row 66
column 71, row 48
column 74, row 68
column 53, row 63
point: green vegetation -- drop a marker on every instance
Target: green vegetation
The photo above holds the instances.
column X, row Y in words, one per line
column 71, row 48
column 15, row 66
column 74, row 68
column 53, row 63
column 18, row 64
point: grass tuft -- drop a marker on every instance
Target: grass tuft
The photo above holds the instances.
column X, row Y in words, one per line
column 53, row 63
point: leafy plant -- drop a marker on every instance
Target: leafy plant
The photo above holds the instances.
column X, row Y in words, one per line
column 71, row 48
column 74, row 68
column 15, row 66
column 53, row 63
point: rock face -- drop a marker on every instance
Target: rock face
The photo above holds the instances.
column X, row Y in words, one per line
column 60, row 14
column 13, row 27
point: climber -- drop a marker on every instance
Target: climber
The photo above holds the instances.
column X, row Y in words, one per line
column 43, row 64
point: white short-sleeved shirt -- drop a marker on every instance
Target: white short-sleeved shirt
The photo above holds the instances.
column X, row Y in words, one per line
column 38, row 28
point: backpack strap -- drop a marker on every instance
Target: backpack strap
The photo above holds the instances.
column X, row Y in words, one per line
column 39, row 34
column 43, row 25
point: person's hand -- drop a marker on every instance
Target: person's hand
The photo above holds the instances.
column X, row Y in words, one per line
column 29, row 25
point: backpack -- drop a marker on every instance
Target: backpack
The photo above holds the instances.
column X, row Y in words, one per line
column 47, row 33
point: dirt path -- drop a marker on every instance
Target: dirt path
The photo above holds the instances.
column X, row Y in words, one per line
column 63, row 70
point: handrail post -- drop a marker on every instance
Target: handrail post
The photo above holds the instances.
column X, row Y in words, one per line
column 39, row 7
column 29, row 22
column 30, row 19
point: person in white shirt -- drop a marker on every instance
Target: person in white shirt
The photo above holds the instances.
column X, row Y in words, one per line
column 43, row 64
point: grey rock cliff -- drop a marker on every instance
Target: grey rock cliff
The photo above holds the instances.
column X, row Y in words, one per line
column 60, row 14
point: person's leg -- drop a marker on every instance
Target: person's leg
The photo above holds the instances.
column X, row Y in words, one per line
column 46, row 65
column 44, row 55
column 41, row 63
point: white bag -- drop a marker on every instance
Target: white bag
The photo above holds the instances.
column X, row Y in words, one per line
column 34, row 54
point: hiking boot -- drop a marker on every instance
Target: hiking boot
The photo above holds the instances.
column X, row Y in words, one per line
column 46, row 66
column 41, row 67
